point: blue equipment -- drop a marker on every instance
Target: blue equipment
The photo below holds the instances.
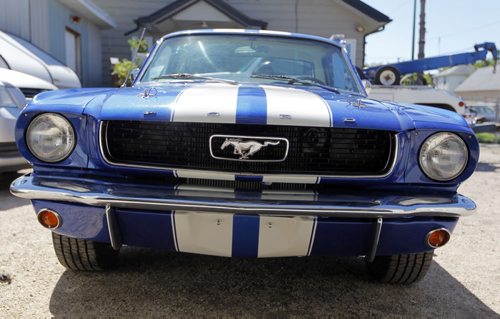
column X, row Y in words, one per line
column 391, row 74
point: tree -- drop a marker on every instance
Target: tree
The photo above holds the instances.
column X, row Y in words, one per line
column 421, row 39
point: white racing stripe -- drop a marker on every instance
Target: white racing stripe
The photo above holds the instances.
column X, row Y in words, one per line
column 201, row 174
column 304, row 195
column 212, row 234
column 289, row 106
column 299, row 179
column 212, row 103
column 229, row 193
column 204, row 191
column 285, row 236
column 228, row 176
column 204, row 233
column 217, row 103
column 201, row 188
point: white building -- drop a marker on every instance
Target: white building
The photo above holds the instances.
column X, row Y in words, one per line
column 483, row 86
column 85, row 34
column 451, row 78
column 353, row 19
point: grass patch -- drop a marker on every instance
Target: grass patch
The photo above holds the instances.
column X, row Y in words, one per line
column 488, row 138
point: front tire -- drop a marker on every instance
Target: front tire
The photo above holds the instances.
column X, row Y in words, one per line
column 84, row 255
column 400, row 269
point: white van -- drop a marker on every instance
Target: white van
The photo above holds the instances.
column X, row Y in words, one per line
column 11, row 102
column 12, row 86
column 28, row 84
column 20, row 55
column 418, row 94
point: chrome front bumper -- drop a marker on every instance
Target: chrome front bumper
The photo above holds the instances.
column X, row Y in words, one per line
column 196, row 198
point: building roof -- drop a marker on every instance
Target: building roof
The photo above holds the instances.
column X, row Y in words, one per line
column 368, row 10
column 180, row 5
column 483, row 79
column 92, row 12
column 465, row 70
column 175, row 7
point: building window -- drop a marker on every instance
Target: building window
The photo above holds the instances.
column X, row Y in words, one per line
column 73, row 51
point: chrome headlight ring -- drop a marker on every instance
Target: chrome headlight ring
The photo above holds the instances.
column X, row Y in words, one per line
column 50, row 137
column 443, row 156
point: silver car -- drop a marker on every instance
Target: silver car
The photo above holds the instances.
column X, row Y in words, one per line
column 12, row 101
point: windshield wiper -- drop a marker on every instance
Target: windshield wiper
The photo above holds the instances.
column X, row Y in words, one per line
column 189, row 76
column 292, row 80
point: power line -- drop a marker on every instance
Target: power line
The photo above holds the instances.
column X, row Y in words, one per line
column 467, row 30
column 396, row 9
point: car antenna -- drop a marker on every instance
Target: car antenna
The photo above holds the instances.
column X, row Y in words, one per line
column 124, row 84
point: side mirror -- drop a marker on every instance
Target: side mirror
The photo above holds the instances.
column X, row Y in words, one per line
column 134, row 74
column 367, row 85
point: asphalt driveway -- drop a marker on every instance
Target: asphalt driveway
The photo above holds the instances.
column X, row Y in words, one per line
column 463, row 281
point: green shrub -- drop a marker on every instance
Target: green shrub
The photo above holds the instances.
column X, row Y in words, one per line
column 139, row 45
column 121, row 70
column 125, row 66
column 486, row 138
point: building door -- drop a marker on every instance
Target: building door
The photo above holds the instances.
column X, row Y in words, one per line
column 73, row 51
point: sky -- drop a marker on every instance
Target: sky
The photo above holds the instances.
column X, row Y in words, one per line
column 453, row 26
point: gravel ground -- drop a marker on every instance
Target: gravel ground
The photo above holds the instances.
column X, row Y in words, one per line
column 463, row 281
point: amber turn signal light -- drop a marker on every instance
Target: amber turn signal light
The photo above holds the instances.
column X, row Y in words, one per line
column 49, row 218
column 438, row 237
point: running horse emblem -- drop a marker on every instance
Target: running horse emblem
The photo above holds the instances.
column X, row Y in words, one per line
column 245, row 149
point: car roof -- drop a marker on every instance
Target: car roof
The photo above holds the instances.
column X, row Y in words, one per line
column 252, row 32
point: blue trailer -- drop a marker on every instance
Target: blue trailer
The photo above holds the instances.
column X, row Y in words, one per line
column 391, row 74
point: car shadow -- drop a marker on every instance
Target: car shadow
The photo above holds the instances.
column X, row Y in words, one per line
column 7, row 200
column 487, row 167
column 154, row 284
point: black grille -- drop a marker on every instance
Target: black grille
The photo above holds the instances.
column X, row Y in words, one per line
column 249, row 186
column 31, row 92
column 312, row 150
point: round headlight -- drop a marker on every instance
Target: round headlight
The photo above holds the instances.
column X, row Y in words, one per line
column 50, row 137
column 443, row 156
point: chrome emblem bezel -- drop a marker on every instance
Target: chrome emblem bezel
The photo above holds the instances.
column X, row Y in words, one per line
column 245, row 157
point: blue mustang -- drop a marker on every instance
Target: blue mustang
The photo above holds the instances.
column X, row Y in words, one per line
column 245, row 143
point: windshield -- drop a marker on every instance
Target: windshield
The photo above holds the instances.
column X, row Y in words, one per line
column 250, row 58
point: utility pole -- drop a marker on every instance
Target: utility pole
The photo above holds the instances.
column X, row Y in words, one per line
column 421, row 40
column 413, row 33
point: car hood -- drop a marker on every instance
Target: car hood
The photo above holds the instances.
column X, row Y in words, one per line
column 23, row 80
column 64, row 77
column 246, row 104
